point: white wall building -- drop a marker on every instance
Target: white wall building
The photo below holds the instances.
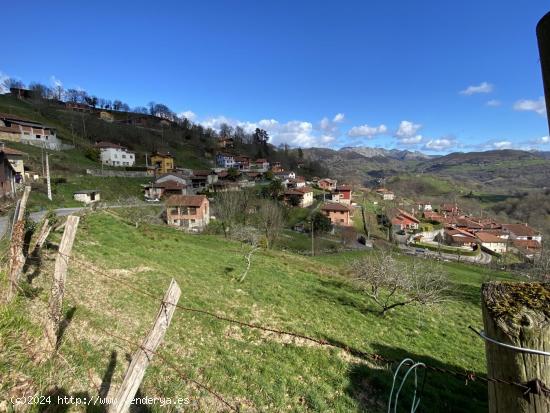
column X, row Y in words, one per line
column 112, row 154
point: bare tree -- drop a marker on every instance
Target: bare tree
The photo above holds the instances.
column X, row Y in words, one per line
column 391, row 283
column 270, row 220
column 250, row 241
column 541, row 266
column 227, row 208
column 39, row 91
column 58, row 92
column 10, row 82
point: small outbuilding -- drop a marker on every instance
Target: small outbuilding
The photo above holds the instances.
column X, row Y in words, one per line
column 88, row 196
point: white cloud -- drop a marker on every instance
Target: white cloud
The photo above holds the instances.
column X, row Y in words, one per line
column 542, row 140
column 493, row 103
column 339, row 117
column 413, row 140
column 407, row 133
column 526, row 105
column 188, row 115
column 483, row 87
column 367, row 131
column 295, row 133
column 55, row 81
column 502, row 144
column 3, row 78
column 330, row 129
column 439, row 144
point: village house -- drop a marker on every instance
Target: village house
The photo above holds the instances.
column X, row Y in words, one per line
column 78, row 107
column 15, row 157
column 7, row 177
column 161, row 163
column 242, row 163
column 112, row 154
column 338, row 214
column 261, row 165
column 106, row 116
column 88, row 196
column 20, row 93
column 327, row 184
column 172, row 176
column 203, row 179
column 345, row 194
column 225, row 160
column 188, row 212
column 433, row 216
column 459, row 237
column 424, row 206
column 386, row 194
column 254, row 176
column 16, row 129
column 165, row 188
column 298, row 182
column 225, row 142
column 301, row 197
column 449, row 209
column 528, row 248
column 403, row 221
column 491, row 242
column 142, row 121
column 276, row 167
column 522, row 232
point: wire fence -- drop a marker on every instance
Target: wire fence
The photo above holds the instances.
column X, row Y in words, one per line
column 466, row 376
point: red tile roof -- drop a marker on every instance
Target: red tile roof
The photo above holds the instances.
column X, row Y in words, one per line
column 186, row 200
column 520, row 230
column 104, row 144
column 488, row 237
column 527, row 244
column 10, row 151
column 332, row 206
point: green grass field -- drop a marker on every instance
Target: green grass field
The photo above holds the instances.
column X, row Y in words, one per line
column 256, row 370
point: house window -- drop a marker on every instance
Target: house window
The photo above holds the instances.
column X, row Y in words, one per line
column 123, row 156
column 192, row 211
column 341, row 220
column 174, row 211
column 37, row 136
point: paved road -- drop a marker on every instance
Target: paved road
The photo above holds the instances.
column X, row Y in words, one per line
column 482, row 258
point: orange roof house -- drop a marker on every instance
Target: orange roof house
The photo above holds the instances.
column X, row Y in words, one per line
column 188, row 212
column 339, row 214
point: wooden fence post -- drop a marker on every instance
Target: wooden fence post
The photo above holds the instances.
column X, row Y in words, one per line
column 58, row 285
column 517, row 314
column 42, row 236
column 16, row 257
column 143, row 355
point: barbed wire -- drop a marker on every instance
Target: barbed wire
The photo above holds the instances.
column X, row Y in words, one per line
column 168, row 363
column 468, row 376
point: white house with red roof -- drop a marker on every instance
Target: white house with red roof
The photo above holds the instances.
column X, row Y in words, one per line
column 302, row 197
column 491, row 242
column 345, row 194
column 112, row 154
column 404, row 221
column 522, row 232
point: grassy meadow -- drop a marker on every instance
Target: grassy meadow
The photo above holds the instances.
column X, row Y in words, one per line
column 252, row 369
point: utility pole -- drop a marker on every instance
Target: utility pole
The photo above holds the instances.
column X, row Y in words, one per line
column 42, row 160
column 48, row 178
column 312, row 240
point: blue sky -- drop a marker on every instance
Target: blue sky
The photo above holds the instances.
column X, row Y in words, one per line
column 313, row 73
